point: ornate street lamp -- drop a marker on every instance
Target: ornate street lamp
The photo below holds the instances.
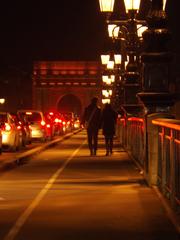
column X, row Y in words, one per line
column 106, row 5
column 126, row 32
column 132, row 5
column 156, row 61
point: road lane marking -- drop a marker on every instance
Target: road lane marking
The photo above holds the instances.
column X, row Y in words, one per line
column 25, row 215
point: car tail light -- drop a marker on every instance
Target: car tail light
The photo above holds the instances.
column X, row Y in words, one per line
column 18, row 127
column 48, row 125
column 56, row 120
column 28, row 113
column 64, row 123
column 43, row 123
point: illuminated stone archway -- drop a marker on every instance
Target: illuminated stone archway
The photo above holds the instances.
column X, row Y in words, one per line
column 70, row 103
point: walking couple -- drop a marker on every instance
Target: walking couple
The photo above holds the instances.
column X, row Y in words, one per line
column 94, row 118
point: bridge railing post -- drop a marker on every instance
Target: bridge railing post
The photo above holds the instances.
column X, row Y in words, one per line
column 153, row 149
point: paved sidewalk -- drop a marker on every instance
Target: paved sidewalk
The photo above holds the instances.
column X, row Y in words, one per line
column 135, row 210
column 106, row 198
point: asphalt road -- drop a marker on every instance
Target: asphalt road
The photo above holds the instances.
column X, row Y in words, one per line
column 62, row 193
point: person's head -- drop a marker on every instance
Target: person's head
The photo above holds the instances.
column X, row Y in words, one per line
column 94, row 100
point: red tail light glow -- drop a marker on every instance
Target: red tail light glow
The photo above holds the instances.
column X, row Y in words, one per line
column 43, row 123
column 18, row 127
column 56, row 120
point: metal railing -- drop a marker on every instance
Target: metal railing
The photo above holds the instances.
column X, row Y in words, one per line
column 154, row 143
column 168, row 171
column 132, row 137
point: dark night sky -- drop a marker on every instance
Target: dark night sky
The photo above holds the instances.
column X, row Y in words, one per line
column 58, row 30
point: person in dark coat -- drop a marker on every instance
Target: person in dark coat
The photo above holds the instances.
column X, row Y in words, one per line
column 108, row 122
column 92, row 117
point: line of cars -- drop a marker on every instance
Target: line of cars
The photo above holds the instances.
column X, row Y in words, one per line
column 26, row 126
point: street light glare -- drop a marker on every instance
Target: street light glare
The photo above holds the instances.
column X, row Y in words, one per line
column 164, row 4
column 132, row 4
column 2, row 100
column 106, row 5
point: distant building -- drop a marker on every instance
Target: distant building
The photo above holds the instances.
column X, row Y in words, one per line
column 65, row 85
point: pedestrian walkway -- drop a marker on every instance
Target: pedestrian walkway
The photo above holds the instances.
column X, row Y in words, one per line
column 123, row 202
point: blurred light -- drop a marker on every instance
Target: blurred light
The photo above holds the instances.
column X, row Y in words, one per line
column 7, row 127
column 110, row 65
column 43, row 123
column 132, row 5
column 113, row 30
column 106, row 100
column 112, row 77
column 140, row 30
column 2, row 100
column 126, row 63
column 107, row 93
column 106, row 5
column 164, row 4
column 105, row 59
column 117, row 58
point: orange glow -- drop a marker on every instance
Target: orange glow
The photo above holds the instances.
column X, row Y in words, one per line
column 135, row 119
column 80, row 72
column 28, row 113
column 169, row 123
column 43, row 71
column 7, row 127
column 92, row 72
column 19, row 127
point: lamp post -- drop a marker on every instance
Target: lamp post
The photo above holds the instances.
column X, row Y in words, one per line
column 147, row 74
column 124, row 34
column 156, row 61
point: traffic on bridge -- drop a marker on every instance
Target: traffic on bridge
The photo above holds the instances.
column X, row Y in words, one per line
column 90, row 120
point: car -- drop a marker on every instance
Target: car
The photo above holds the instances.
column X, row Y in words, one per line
column 11, row 136
column 77, row 123
column 69, row 120
column 20, row 127
column 36, row 122
column 56, row 120
column 26, row 127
